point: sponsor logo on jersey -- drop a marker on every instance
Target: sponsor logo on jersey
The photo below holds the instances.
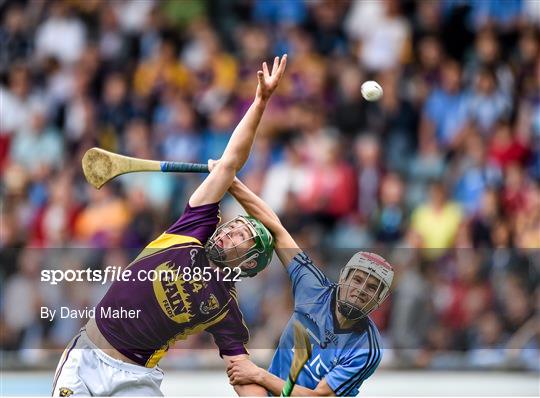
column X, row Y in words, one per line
column 193, row 256
column 171, row 295
column 330, row 337
column 65, row 392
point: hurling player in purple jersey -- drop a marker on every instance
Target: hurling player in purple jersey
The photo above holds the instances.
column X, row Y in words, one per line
column 115, row 355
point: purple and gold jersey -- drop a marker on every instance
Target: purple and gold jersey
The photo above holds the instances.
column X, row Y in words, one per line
column 173, row 308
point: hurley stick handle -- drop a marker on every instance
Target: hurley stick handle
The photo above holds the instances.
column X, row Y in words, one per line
column 100, row 166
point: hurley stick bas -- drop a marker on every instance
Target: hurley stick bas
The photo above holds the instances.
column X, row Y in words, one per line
column 100, row 166
column 302, row 352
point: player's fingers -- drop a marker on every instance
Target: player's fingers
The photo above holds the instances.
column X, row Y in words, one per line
column 260, row 76
column 275, row 66
column 282, row 65
column 265, row 69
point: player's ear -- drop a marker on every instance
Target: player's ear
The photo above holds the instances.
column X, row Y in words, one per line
column 249, row 265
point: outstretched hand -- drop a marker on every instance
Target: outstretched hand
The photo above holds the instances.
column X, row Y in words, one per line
column 269, row 81
column 211, row 164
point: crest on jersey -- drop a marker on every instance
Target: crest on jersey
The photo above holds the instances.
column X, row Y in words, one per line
column 209, row 305
column 65, row 392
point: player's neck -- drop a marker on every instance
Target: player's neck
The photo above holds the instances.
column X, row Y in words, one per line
column 214, row 266
column 343, row 322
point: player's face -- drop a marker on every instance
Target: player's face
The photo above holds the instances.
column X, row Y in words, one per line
column 361, row 290
column 235, row 238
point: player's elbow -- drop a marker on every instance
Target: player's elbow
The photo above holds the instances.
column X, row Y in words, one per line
column 324, row 393
column 324, row 390
column 227, row 167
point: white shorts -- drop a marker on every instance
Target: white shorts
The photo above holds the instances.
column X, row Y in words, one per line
column 85, row 370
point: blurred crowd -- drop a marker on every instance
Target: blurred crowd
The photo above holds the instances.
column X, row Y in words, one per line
column 442, row 175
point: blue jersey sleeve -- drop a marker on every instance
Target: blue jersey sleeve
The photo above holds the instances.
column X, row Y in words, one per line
column 308, row 282
column 346, row 378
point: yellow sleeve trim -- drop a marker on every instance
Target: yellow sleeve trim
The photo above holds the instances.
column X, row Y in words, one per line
column 166, row 240
column 158, row 354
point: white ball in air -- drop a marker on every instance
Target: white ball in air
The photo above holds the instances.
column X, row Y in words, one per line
column 371, row 91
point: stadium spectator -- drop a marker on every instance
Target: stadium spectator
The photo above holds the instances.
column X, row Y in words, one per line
column 285, row 179
column 39, row 145
column 329, row 191
column 487, row 104
column 369, row 174
column 475, row 174
column 444, row 112
column 103, row 221
column 386, row 44
column 488, row 342
column 61, row 23
column 160, row 71
column 14, row 35
column 437, row 221
column 388, row 222
column 506, row 147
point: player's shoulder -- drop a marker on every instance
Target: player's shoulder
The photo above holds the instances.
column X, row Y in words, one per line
column 367, row 335
column 304, row 263
column 366, row 349
column 200, row 212
column 197, row 222
column 373, row 343
column 167, row 240
column 373, row 331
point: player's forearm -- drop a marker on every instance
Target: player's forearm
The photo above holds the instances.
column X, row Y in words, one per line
column 250, row 390
column 286, row 248
column 254, row 205
column 237, row 151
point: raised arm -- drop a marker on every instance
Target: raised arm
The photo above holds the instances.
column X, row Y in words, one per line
column 286, row 248
column 237, row 151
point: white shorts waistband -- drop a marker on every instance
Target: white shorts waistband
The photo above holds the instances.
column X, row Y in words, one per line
column 85, row 342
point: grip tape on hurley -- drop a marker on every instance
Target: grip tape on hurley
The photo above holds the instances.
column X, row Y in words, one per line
column 183, row 167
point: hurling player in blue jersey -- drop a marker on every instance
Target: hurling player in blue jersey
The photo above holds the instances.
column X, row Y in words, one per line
column 346, row 343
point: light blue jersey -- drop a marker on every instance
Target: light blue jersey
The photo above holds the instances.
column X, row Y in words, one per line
column 345, row 358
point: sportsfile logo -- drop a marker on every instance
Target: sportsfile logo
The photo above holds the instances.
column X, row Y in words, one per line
column 108, row 274
column 117, row 274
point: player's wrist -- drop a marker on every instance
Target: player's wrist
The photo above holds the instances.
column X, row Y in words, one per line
column 261, row 101
column 260, row 376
